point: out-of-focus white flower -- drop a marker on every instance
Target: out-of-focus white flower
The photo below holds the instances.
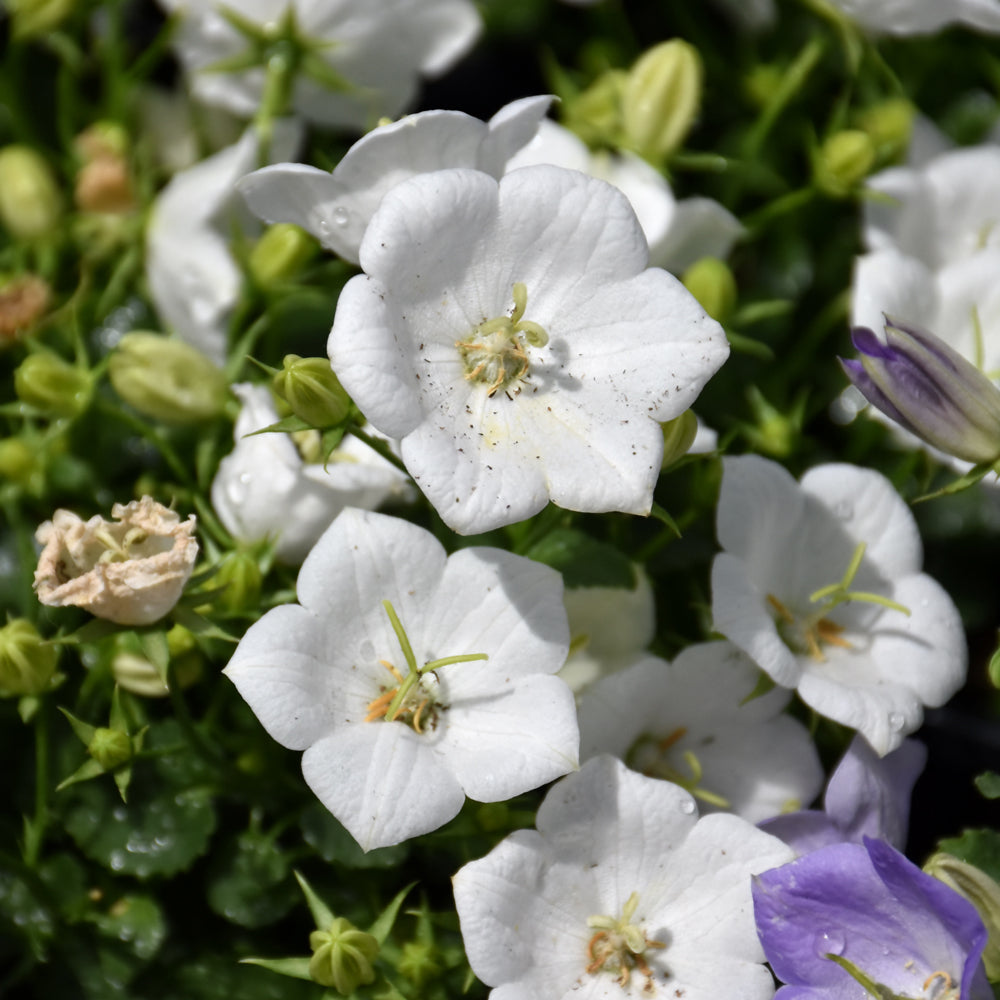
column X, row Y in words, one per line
column 820, row 584
column 510, row 336
column 265, row 490
column 678, row 232
column 193, row 279
column 609, row 628
column 693, row 722
column 131, row 572
column 400, row 720
column 359, row 60
column 621, row 892
column 337, row 207
column 920, row 17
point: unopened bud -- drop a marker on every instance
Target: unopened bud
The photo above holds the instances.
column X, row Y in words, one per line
column 18, row 462
column 30, row 202
column 239, row 575
column 23, row 301
column 711, row 282
column 980, row 890
column 27, row 664
column 110, row 748
column 843, row 162
column 595, row 115
column 52, row 385
column 311, row 389
column 280, row 253
column 166, row 379
column 678, row 436
column 104, row 186
column 889, row 125
column 342, row 956
column 32, row 18
column 661, row 99
column 100, row 140
column 419, row 962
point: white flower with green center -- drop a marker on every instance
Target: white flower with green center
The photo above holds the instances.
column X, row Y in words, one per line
column 412, row 679
column 337, row 206
column 344, row 62
column 694, row 722
column 510, row 335
column 820, row 584
column 621, row 892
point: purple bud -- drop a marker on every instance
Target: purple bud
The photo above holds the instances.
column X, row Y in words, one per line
column 929, row 389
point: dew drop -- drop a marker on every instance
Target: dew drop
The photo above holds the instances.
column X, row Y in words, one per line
column 236, row 489
column 687, row 806
column 843, row 509
column 117, row 860
column 896, row 721
column 340, row 216
column 324, row 227
column 831, row 943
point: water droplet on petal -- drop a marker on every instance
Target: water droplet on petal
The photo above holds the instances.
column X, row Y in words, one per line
column 831, row 943
column 687, row 806
column 340, row 216
column 843, row 509
column 896, row 721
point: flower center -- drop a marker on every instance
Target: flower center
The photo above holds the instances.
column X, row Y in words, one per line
column 657, row 758
column 619, row 946
column 809, row 633
column 414, row 699
column 495, row 353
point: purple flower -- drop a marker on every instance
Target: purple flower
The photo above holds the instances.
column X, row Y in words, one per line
column 929, row 389
column 850, row 914
column 866, row 796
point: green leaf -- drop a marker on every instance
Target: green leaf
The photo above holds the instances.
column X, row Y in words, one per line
column 155, row 649
column 138, row 922
column 988, row 784
column 251, row 886
column 200, row 625
column 321, row 913
column 973, row 476
column 333, row 843
column 382, row 925
column 980, row 848
column 87, row 770
column 84, row 730
column 287, row 425
column 583, row 561
column 297, row 968
column 993, row 668
column 221, row 977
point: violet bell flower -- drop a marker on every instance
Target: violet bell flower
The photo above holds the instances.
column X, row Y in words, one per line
column 849, row 914
column 929, row 389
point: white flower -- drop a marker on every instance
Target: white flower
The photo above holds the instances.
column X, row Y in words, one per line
column 621, row 892
column 366, row 57
column 935, row 254
column 920, row 17
column 324, row 676
column 690, row 722
column 337, row 207
column 609, row 629
column 508, row 334
column 865, row 664
column 132, row 572
column 678, row 232
column 264, row 489
column 193, row 279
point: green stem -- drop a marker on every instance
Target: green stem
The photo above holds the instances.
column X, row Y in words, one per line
column 155, row 437
column 379, row 446
column 33, row 842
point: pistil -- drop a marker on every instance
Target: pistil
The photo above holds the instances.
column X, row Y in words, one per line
column 619, row 946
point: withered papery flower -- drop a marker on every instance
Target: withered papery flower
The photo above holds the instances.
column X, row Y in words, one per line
column 131, row 570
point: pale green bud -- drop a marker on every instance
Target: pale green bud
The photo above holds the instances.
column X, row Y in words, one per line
column 311, row 389
column 31, row 18
column 100, row 140
column 678, row 436
column 30, row 202
column 27, row 665
column 661, row 99
column 53, row 385
column 419, row 962
column 711, row 282
column 843, row 162
column 280, row 254
column 980, row 890
column 110, row 748
column 240, row 577
column 763, row 83
column 889, row 124
column 595, row 114
column 18, row 462
column 342, row 956
column 166, row 379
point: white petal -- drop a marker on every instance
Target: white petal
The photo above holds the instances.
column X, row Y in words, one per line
column 888, row 283
column 700, row 227
column 383, row 782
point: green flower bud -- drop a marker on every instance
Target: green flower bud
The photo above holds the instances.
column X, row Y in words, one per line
column 711, row 282
column 843, row 162
column 980, row 890
column 889, row 124
column 100, row 140
column 280, row 254
column 678, row 436
column 110, row 748
column 762, row 83
column 661, row 99
column 342, row 956
column 166, row 379
column 27, row 665
column 18, row 462
column 419, row 962
column 30, row 202
column 311, row 389
column 595, row 114
column 53, row 385
column 240, row 575
column 31, row 18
